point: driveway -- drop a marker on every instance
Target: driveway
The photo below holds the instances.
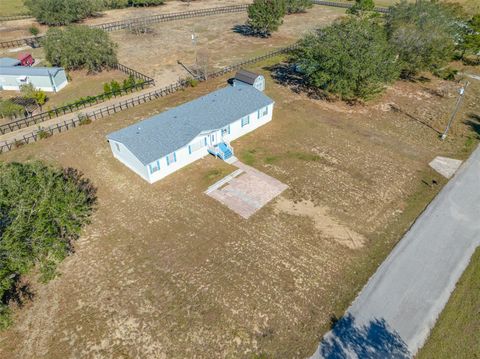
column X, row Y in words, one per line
column 393, row 314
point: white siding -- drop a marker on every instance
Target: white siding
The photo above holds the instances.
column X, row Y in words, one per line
column 128, row 159
column 183, row 156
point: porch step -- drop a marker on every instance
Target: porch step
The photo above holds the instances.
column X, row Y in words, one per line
column 231, row 160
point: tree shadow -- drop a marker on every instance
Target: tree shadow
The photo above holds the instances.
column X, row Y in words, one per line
column 246, row 30
column 395, row 108
column 285, row 74
column 473, row 122
column 374, row 340
column 19, row 293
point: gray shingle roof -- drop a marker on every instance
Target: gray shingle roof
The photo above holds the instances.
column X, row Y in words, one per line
column 168, row 131
column 29, row 71
column 8, row 61
column 246, row 76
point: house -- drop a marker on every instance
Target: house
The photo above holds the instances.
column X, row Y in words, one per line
column 26, row 59
column 7, row 62
column 49, row 79
column 162, row 144
column 249, row 78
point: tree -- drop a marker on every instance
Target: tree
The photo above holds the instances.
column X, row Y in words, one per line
column 62, row 12
column 42, row 210
column 78, row 47
column 361, row 6
column 10, row 109
column 265, row 16
column 424, row 34
column 297, row 6
column 29, row 91
column 351, row 58
column 470, row 44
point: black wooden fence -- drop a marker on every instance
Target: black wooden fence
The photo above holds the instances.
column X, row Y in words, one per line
column 82, row 104
column 126, row 104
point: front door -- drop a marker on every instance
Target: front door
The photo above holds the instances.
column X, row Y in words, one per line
column 213, row 138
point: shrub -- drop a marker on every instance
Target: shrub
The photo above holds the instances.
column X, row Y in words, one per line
column 30, row 92
column 351, row 58
column 78, row 47
column 43, row 210
column 33, row 30
column 424, row 34
column 192, row 82
column 106, row 88
column 265, row 16
column 62, row 12
column 446, row 73
column 115, row 86
column 470, row 42
column 84, row 120
column 360, row 6
column 297, row 6
column 43, row 134
column 10, row 109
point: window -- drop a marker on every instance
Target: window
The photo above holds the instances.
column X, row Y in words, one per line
column 117, row 146
column 265, row 111
column 154, row 167
column 196, row 146
column 171, row 158
column 245, row 120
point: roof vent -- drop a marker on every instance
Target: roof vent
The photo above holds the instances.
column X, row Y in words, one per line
column 138, row 130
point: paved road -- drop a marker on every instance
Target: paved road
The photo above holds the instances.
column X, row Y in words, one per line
column 393, row 314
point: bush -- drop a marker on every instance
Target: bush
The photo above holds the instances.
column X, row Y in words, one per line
column 43, row 134
column 351, row 58
column 297, row 6
column 360, row 6
column 470, row 43
column 10, row 109
column 446, row 73
column 42, row 211
column 78, row 47
column 115, row 86
column 30, row 92
column 192, row 82
column 424, row 34
column 265, row 16
column 62, row 12
column 33, row 30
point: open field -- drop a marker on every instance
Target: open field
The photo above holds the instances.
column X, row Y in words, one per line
column 456, row 333
column 12, row 7
column 156, row 54
column 15, row 29
column 164, row 271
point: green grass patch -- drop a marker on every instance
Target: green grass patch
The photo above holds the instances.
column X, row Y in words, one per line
column 248, row 156
column 456, row 334
column 12, row 7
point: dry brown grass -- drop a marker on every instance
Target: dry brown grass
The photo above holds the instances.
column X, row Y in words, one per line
column 164, row 271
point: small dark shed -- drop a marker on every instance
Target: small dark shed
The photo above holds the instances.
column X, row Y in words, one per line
column 250, row 78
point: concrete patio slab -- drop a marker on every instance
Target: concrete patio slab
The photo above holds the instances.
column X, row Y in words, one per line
column 445, row 166
column 247, row 191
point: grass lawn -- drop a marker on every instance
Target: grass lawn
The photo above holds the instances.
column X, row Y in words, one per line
column 165, row 271
column 12, row 7
column 456, row 333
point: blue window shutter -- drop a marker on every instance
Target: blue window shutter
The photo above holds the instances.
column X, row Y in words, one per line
column 189, row 149
column 150, row 169
column 158, row 164
column 168, row 162
column 228, row 129
column 248, row 119
column 258, row 114
column 174, row 157
column 205, row 140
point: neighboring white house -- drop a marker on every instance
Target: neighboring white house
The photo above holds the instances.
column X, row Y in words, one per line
column 162, row 144
column 49, row 79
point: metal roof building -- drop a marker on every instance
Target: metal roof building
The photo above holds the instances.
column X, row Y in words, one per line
column 50, row 79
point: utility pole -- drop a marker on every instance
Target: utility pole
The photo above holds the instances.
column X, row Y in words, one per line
column 461, row 94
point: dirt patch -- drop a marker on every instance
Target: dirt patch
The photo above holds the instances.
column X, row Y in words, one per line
column 329, row 226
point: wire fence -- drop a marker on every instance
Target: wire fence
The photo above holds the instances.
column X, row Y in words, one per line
column 89, row 101
column 346, row 5
column 100, row 113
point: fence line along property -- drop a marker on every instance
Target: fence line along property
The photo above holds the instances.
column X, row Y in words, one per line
column 82, row 104
column 15, row 17
column 126, row 104
column 148, row 20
